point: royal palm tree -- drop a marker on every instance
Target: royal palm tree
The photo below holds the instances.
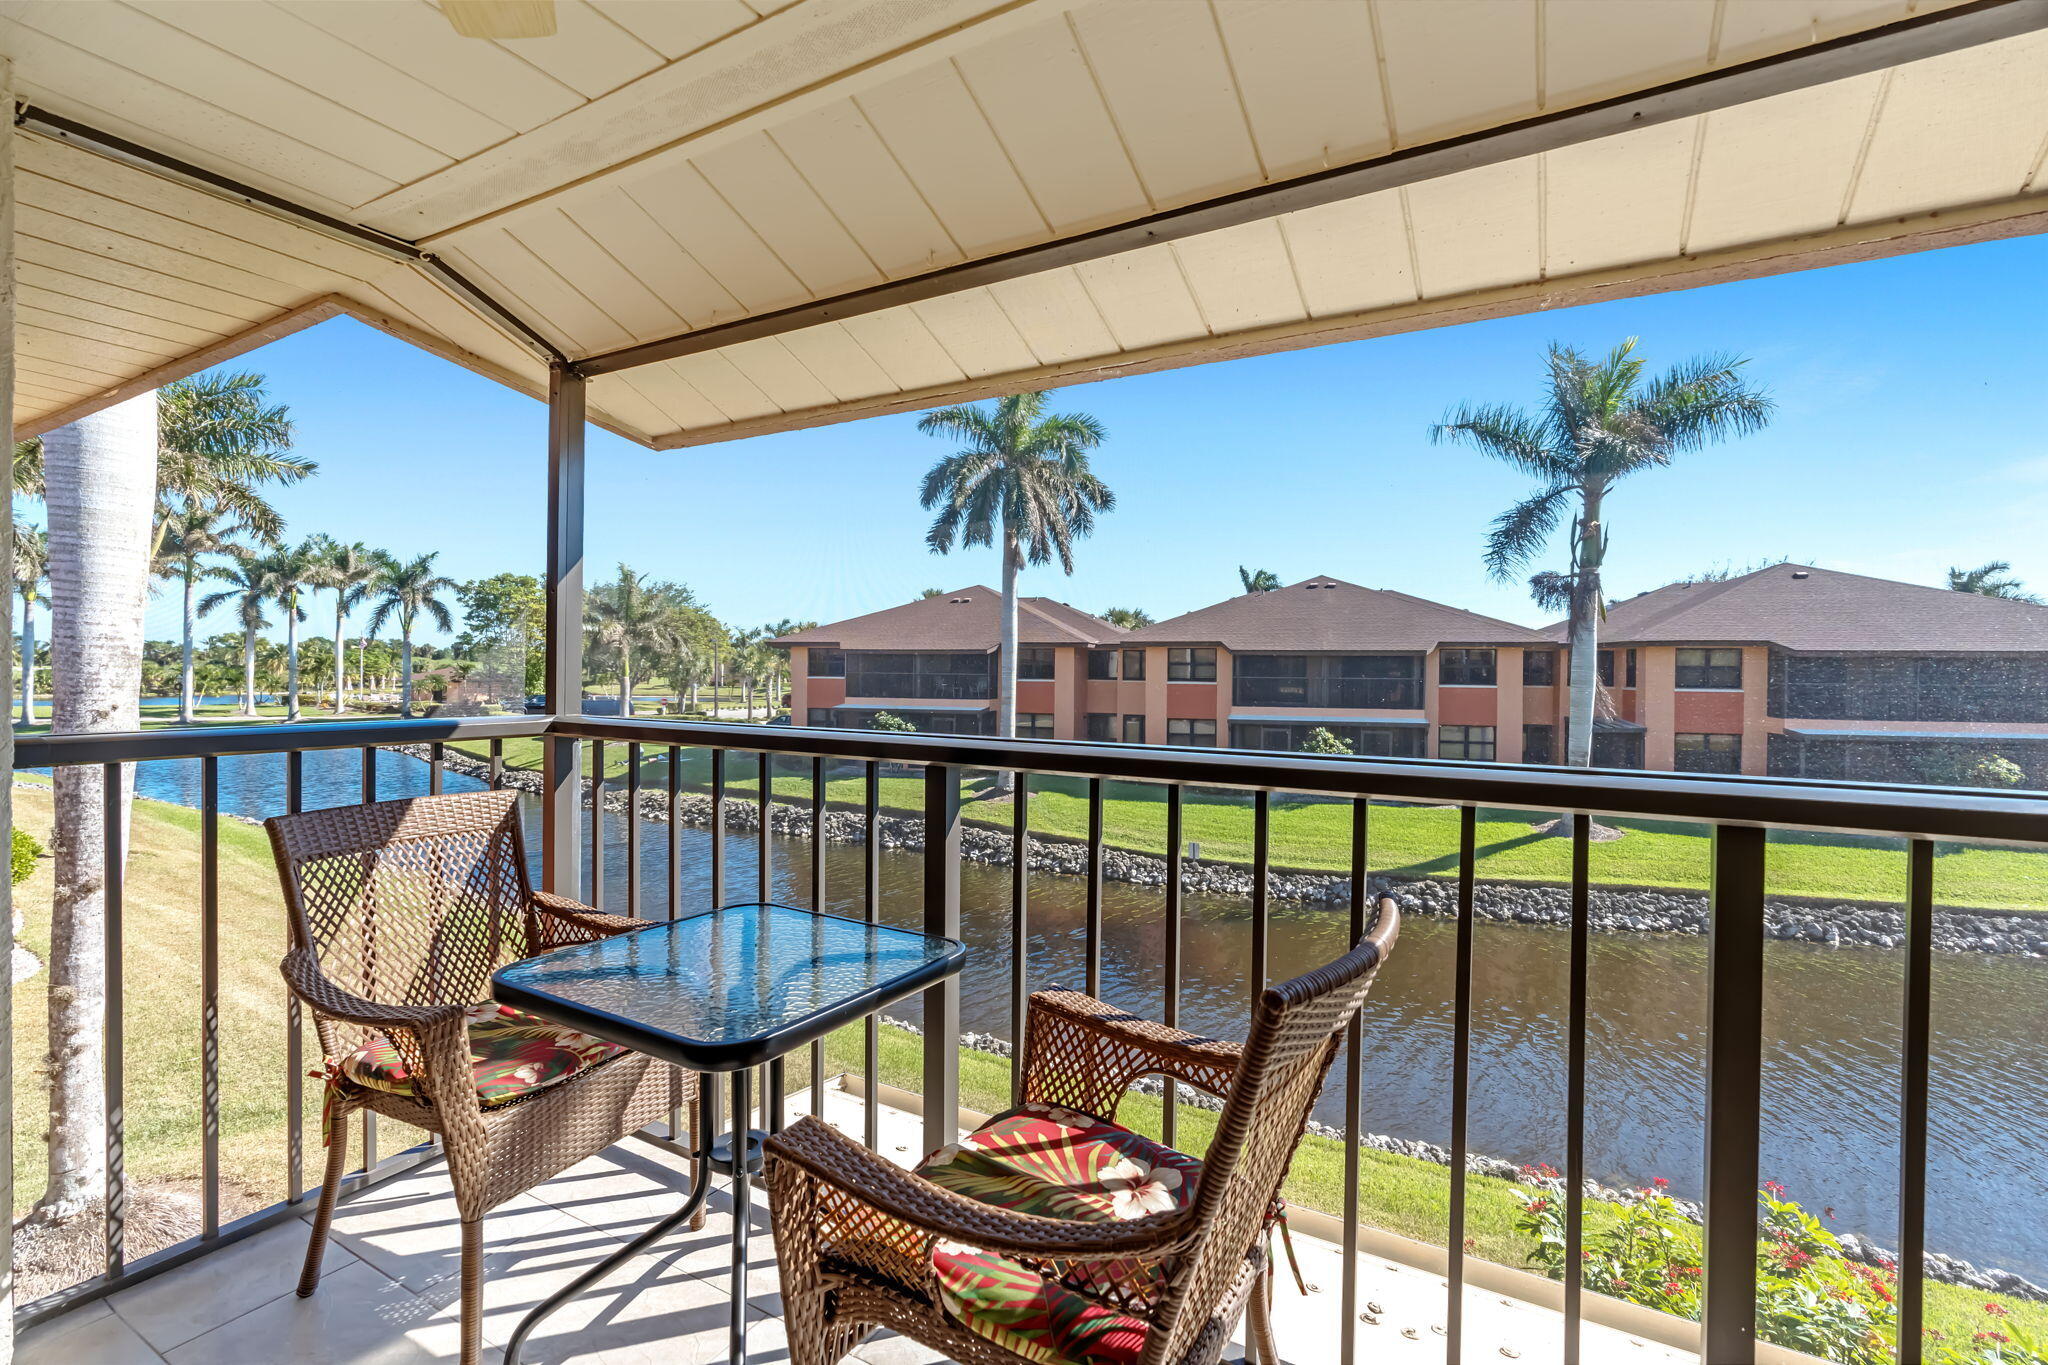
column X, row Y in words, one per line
column 1600, row 422
column 100, row 484
column 407, row 590
column 292, row 572
column 630, row 616
column 31, row 570
column 192, row 532
column 221, row 440
column 1020, row 481
column 347, row 571
column 1992, row 579
column 1258, row 580
column 254, row 589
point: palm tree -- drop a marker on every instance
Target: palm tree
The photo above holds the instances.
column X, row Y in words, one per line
column 778, row 658
column 220, row 440
column 254, row 590
column 31, row 569
column 1600, row 422
column 191, row 532
column 409, row 589
column 1992, row 579
column 292, row 571
column 1258, row 580
column 1021, row 475
column 627, row 616
column 1130, row 618
column 346, row 571
column 99, row 475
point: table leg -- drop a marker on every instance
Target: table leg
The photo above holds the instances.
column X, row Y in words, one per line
column 742, row 1205
column 700, row 1187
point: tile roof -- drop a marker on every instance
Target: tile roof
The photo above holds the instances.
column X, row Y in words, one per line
column 1322, row 614
column 1799, row 607
column 970, row 618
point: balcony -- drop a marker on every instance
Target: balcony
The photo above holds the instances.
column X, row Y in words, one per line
column 167, row 1287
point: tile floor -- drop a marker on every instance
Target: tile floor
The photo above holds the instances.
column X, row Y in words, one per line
column 389, row 1291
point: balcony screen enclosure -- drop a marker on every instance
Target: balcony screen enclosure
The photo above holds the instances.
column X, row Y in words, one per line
column 1388, row 681
column 926, row 677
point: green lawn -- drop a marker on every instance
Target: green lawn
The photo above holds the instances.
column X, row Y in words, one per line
column 1315, row 835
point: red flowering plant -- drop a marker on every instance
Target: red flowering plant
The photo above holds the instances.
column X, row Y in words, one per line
column 2000, row 1341
column 1809, row 1298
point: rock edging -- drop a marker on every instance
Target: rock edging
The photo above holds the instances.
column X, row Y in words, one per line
column 1825, row 923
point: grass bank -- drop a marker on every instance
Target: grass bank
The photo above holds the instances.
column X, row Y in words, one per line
column 1315, row 835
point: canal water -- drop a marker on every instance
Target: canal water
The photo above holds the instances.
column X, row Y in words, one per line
column 1831, row 1020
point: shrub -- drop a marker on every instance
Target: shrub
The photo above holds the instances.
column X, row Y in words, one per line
column 893, row 723
column 1321, row 741
column 2001, row 1342
column 1809, row 1297
column 26, row 851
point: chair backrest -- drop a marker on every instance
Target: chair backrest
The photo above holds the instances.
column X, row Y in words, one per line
column 1297, row 1027
column 410, row 902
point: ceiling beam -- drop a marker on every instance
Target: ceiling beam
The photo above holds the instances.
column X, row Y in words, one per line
column 1858, row 54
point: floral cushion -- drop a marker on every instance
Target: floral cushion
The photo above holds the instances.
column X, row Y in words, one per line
column 1055, row 1163
column 511, row 1056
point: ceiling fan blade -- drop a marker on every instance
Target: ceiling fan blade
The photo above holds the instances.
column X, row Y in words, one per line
column 501, row 18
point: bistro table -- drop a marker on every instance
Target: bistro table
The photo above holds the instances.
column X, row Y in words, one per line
column 723, row 991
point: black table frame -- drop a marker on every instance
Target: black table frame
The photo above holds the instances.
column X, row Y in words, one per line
column 735, row 1056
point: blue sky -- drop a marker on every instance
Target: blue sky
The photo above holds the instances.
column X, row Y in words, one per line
column 1908, row 438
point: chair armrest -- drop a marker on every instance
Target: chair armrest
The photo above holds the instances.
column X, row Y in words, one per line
column 303, row 976
column 865, row 1202
column 561, row 921
column 1080, row 1053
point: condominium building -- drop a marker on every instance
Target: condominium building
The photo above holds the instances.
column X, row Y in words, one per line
column 1789, row 670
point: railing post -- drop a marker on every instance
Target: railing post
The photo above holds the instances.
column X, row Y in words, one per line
column 942, row 916
column 1735, row 980
column 561, row 805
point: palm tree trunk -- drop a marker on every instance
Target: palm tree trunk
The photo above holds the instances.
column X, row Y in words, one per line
column 625, row 682
column 101, row 479
column 248, row 671
column 1006, row 661
column 340, row 661
column 185, row 692
column 1585, row 635
column 28, row 659
column 405, row 675
column 291, row 658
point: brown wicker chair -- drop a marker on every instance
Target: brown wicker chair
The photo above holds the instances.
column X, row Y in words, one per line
column 1157, row 1254
column 399, row 913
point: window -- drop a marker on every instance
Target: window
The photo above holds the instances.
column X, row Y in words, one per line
column 1197, row 734
column 1034, row 661
column 1465, row 741
column 1134, row 729
column 1102, row 664
column 1607, row 668
column 1134, row 665
column 827, row 663
column 819, row 715
column 1708, row 753
column 1191, row 665
column 1715, row 668
column 1034, row 725
column 1539, row 669
column 1465, row 668
column 1539, row 743
column 1101, row 726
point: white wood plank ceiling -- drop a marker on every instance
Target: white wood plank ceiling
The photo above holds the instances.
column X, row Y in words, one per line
column 661, row 166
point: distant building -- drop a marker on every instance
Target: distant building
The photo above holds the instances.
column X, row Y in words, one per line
column 1789, row 670
column 933, row 663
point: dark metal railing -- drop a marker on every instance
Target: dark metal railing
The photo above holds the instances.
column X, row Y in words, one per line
column 1739, row 811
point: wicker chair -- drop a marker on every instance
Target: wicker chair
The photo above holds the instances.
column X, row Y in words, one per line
column 399, row 912
column 1050, row 1234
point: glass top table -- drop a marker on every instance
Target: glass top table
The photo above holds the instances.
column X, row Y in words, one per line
column 723, row 991
column 730, row 988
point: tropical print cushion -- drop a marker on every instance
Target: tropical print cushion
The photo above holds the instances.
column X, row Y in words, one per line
column 1022, row 1311
column 511, row 1055
column 1056, row 1163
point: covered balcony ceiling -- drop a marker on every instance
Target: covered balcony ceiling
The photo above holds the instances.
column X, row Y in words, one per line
column 755, row 180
